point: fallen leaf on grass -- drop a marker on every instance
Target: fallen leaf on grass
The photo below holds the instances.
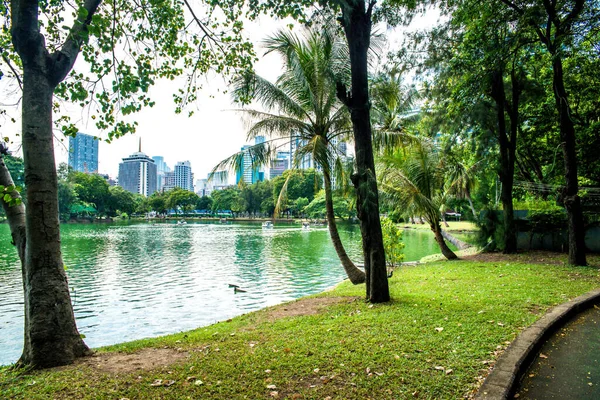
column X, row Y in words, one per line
column 271, row 387
column 198, row 383
column 439, row 368
column 439, row 329
column 274, row 394
column 448, row 371
column 542, row 355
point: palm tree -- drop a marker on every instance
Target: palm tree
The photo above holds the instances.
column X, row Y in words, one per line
column 413, row 177
column 393, row 109
column 462, row 182
column 301, row 108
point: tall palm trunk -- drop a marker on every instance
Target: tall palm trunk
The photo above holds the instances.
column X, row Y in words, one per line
column 472, row 207
column 355, row 275
column 439, row 238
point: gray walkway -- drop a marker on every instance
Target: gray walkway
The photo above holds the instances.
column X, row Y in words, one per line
column 512, row 365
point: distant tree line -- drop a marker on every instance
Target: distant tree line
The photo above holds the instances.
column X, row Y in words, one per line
column 82, row 195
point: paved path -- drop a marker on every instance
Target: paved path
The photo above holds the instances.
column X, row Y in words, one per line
column 568, row 366
column 512, row 365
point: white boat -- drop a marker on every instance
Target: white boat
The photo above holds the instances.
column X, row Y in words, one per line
column 267, row 225
column 181, row 222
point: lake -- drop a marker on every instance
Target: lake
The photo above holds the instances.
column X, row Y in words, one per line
column 138, row 280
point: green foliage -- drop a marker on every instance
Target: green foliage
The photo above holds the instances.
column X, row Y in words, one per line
column 392, row 242
column 299, row 183
column 342, row 207
column 491, row 230
column 128, row 47
column 181, row 199
column 548, row 220
column 7, row 195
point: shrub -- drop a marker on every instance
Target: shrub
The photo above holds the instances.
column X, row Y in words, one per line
column 392, row 242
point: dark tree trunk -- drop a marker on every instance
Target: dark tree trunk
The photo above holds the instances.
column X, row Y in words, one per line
column 356, row 21
column 355, row 275
column 15, row 214
column 507, row 163
column 570, row 194
column 558, row 27
column 51, row 336
column 439, row 238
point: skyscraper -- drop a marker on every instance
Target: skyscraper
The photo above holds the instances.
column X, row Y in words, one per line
column 244, row 172
column 184, row 178
column 83, row 153
column 161, row 169
column 137, row 173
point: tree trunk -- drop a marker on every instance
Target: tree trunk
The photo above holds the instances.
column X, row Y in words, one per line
column 507, row 163
column 439, row 238
column 355, row 275
column 15, row 214
column 472, row 208
column 356, row 21
column 443, row 215
column 570, row 194
column 51, row 336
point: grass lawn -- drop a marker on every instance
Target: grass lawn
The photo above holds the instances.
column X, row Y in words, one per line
column 446, row 325
column 455, row 226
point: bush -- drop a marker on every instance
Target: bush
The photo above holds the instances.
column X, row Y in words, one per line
column 392, row 242
column 491, row 230
column 547, row 220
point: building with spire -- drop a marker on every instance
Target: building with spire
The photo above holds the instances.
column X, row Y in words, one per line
column 137, row 173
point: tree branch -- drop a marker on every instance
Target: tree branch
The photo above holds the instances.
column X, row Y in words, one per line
column 14, row 71
column 64, row 59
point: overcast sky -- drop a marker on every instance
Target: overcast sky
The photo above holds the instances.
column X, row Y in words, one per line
column 210, row 135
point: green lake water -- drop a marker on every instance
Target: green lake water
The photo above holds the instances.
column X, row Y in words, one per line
column 132, row 281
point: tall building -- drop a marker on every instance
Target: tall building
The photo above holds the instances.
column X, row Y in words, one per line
column 184, row 178
column 83, row 153
column 219, row 180
column 279, row 164
column 247, row 172
column 203, row 187
column 137, row 173
column 244, row 172
column 169, row 181
column 161, row 169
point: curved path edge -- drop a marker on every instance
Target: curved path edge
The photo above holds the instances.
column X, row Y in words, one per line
column 512, row 364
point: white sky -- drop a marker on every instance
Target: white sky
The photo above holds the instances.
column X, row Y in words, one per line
column 214, row 131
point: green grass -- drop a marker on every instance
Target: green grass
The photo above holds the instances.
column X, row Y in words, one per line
column 455, row 226
column 348, row 351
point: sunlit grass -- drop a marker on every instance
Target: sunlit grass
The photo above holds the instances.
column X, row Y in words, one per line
column 434, row 340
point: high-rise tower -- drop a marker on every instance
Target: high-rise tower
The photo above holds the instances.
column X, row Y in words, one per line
column 137, row 173
column 83, row 153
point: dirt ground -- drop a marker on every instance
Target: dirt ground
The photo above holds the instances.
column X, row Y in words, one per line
column 152, row 358
column 530, row 257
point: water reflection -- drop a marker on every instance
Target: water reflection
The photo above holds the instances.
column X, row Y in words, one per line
column 141, row 280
